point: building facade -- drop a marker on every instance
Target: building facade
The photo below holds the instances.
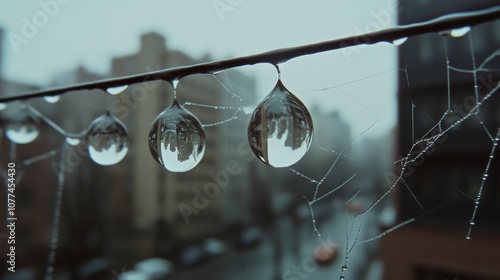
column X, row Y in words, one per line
column 446, row 179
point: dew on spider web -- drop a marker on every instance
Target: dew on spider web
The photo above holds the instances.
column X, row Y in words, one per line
column 481, row 187
column 431, row 140
column 54, row 236
column 228, row 89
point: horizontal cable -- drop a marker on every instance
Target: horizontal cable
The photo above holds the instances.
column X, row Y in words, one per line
column 443, row 23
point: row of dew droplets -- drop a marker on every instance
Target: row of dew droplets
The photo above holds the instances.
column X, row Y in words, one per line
column 280, row 131
column 177, row 139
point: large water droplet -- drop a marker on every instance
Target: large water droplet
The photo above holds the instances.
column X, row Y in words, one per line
column 116, row 90
column 177, row 140
column 400, row 41
column 107, row 139
column 51, row 99
column 281, row 129
column 22, row 129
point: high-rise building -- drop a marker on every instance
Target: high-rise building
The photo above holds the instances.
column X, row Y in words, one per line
column 184, row 199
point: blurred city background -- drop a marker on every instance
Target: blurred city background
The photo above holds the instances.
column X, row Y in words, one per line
column 232, row 217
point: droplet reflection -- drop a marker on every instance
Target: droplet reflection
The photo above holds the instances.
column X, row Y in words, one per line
column 107, row 139
column 23, row 129
column 281, row 129
column 177, row 140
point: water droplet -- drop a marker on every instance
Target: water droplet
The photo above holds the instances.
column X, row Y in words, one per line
column 248, row 109
column 73, row 141
column 471, row 222
column 467, row 237
column 177, row 140
column 459, row 32
column 175, row 83
column 344, row 268
column 342, row 278
column 51, row 99
column 107, row 139
column 23, row 129
column 116, row 90
column 281, row 129
column 2, row 106
column 400, row 41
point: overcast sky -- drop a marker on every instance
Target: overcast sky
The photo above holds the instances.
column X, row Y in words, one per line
column 91, row 32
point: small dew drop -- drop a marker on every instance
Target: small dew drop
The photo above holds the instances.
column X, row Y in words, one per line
column 459, row 32
column 467, row 237
column 400, row 41
column 344, row 268
column 116, row 90
column 280, row 131
column 72, row 141
column 22, row 130
column 247, row 109
column 176, row 139
column 471, row 222
column 2, row 106
column 51, row 99
column 107, row 138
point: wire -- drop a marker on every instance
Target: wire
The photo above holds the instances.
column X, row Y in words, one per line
column 275, row 57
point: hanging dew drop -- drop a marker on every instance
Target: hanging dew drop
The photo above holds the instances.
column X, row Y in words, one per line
column 23, row 129
column 400, row 41
column 72, row 141
column 51, row 99
column 116, row 90
column 107, row 139
column 459, row 32
column 280, row 131
column 177, row 140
